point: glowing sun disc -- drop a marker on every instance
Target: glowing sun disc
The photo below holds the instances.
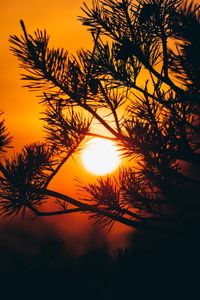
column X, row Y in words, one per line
column 100, row 156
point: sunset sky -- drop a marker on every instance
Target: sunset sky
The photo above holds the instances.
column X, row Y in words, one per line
column 154, row 116
column 20, row 106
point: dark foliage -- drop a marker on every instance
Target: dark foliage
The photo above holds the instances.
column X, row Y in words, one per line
column 165, row 270
column 25, row 170
column 5, row 138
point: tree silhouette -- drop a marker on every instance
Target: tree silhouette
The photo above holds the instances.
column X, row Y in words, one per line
column 144, row 71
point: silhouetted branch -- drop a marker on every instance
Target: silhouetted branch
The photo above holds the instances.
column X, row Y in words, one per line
column 5, row 138
column 55, row 213
column 94, row 209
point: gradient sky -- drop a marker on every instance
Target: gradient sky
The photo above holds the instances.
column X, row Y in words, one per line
column 20, row 106
column 60, row 19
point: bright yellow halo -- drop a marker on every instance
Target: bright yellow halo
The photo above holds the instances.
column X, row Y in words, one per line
column 100, row 156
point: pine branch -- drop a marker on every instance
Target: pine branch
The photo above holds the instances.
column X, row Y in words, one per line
column 5, row 138
column 94, row 209
column 54, row 213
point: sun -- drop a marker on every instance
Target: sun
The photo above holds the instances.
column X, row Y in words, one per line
column 100, row 156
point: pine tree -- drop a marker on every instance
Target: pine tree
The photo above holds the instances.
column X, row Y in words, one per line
column 145, row 63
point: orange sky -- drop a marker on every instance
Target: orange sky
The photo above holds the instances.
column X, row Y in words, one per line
column 60, row 19
column 20, row 106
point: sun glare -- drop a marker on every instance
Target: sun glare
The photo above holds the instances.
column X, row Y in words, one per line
column 100, row 156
